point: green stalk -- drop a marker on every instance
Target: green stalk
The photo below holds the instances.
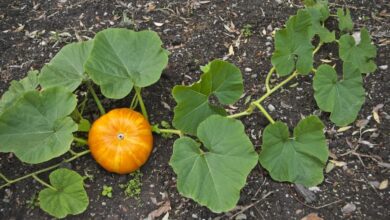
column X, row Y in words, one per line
column 171, row 131
column 43, row 182
column 292, row 76
column 80, row 140
column 96, row 98
column 318, row 47
column 141, row 102
column 257, row 102
column 134, row 102
column 240, row 114
column 265, row 113
column 268, row 78
column 9, row 182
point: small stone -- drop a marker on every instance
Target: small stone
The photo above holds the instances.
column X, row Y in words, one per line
column 248, row 69
column 348, row 208
column 271, row 107
column 383, row 67
column 241, row 216
column 194, row 216
column 269, row 27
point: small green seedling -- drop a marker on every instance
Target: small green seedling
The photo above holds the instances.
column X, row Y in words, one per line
column 107, row 191
column 132, row 188
column 247, row 31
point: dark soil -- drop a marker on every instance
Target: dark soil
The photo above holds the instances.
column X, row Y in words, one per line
column 194, row 33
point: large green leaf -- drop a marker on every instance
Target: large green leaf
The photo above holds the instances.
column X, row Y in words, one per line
column 18, row 88
column 220, row 78
column 67, row 196
column 297, row 159
column 121, row 59
column 360, row 54
column 319, row 12
column 293, row 48
column 343, row 98
column 67, row 66
column 37, row 128
column 214, row 177
column 345, row 20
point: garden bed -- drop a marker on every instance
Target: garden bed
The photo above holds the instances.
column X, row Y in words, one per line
column 196, row 32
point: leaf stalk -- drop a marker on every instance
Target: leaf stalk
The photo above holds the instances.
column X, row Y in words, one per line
column 9, row 182
column 43, row 182
column 80, row 140
column 96, row 98
column 141, row 102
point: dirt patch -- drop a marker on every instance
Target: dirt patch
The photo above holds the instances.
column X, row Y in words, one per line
column 195, row 32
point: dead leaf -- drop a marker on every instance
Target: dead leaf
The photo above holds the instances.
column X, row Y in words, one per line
column 383, row 185
column 362, row 123
column 160, row 211
column 338, row 163
column 150, row 7
column 231, row 50
column 312, row 216
column 375, row 112
column 342, row 129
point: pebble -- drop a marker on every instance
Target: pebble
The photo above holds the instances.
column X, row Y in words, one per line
column 269, row 27
column 383, row 67
column 271, row 107
column 348, row 208
column 194, row 216
column 248, row 69
column 241, row 216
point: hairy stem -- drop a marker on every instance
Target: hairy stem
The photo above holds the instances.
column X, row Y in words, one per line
column 43, row 182
column 9, row 182
column 96, row 98
column 141, row 102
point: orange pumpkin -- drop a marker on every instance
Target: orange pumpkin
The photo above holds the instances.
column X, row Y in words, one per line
column 121, row 140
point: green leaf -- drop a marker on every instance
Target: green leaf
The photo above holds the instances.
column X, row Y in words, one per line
column 293, row 48
column 222, row 79
column 319, row 12
column 121, row 59
column 18, row 88
column 342, row 98
column 298, row 159
column 214, row 177
column 360, row 54
column 67, row 196
column 37, row 128
column 345, row 20
column 67, row 66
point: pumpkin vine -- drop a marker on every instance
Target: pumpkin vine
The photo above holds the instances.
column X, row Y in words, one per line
column 212, row 155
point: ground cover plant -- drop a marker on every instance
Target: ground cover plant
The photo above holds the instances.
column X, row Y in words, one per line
column 213, row 156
